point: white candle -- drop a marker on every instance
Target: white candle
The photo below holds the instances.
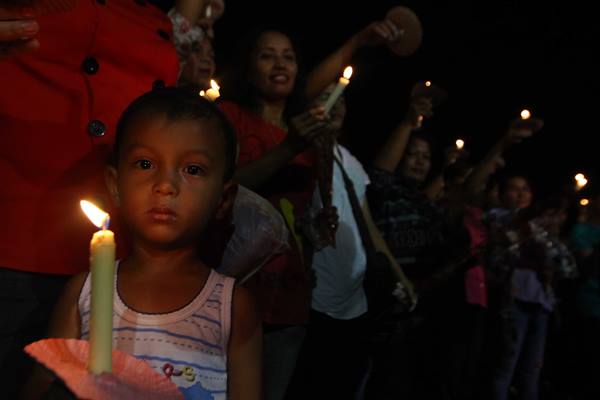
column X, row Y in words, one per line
column 213, row 93
column 102, row 267
column 339, row 88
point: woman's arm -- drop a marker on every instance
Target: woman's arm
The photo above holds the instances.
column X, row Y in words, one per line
column 244, row 354
column 329, row 69
column 304, row 129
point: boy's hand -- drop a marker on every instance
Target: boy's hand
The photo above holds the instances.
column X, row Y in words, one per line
column 17, row 32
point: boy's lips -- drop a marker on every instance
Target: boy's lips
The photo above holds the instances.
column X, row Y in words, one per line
column 163, row 214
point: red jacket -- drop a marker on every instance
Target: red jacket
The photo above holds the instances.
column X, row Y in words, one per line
column 58, row 110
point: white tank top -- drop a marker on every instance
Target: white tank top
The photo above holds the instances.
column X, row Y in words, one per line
column 188, row 345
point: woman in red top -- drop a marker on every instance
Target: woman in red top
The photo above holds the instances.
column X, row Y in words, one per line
column 265, row 101
column 59, row 104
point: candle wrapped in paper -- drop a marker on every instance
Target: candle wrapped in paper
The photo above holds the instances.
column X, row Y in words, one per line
column 42, row 7
column 131, row 379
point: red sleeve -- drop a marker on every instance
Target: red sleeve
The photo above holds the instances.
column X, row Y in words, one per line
column 251, row 145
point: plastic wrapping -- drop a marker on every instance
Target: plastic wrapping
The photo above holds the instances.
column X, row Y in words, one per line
column 260, row 234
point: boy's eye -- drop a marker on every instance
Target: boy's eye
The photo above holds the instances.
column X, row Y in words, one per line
column 194, row 170
column 144, row 164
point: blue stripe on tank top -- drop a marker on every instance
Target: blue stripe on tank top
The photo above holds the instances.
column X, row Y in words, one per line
column 180, row 362
column 214, row 321
column 193, row 339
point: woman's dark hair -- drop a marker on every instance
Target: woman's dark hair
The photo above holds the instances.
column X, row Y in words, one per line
column 177, row 104
column 236, row 85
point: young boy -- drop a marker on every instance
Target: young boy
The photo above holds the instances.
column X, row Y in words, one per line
column 170, row 175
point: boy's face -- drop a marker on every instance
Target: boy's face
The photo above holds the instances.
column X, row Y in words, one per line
column 169, row 179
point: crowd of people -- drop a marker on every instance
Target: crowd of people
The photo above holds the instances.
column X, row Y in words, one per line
column 422, row 273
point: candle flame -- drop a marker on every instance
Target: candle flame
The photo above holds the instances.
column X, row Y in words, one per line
column 525, row 114
column 579, row 177
column 581, row 183
column 460, row 144
column 428, row 83
column 348, row 72
column 202, row 93
column 214, row 85
column 96, row 215
column 584, row 202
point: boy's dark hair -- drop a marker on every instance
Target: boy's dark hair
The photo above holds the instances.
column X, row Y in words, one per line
column 177, row 104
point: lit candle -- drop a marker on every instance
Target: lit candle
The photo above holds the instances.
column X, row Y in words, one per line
column 580, row 181
column 584, row 202
column 460, row 144
column 102, row 267
column 427, row 83
column 525, row 114
column 213, row 93
column 339, row 88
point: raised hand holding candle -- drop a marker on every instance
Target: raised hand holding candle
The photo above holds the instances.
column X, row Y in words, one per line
column 339, row 89
column 211, row 94
column 102, row 267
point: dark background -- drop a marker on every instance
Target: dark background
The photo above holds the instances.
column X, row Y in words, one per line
column 493, row 57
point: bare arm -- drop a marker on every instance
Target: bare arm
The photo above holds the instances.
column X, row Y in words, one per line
column 490, row 162
column 17, row 32
column 389, row 155
column 305, row 128
column 245, row 348
column 329, row 69
column 64, row 323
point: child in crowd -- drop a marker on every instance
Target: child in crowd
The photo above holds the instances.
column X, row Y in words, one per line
column 170, row 176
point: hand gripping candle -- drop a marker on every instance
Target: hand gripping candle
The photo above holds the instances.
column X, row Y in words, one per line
column 102, row 267
column 339, row 88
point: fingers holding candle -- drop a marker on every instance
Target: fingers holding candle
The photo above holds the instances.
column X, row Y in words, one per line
column 339, row 89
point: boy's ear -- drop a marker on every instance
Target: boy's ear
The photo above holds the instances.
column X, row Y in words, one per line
column 225, row 208
column 110, row 178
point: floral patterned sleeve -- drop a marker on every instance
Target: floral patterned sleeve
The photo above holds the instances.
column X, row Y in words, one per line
column 185, row 34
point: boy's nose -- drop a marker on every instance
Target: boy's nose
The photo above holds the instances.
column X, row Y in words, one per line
column 166, row 186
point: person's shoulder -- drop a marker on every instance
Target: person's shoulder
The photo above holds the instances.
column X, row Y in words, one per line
column 75, row 284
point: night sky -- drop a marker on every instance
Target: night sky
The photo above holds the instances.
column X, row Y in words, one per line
column 494, row 58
